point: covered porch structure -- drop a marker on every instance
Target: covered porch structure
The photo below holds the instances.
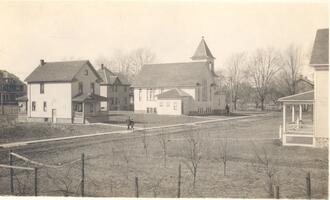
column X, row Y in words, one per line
column 86, row 105
column 298, row 130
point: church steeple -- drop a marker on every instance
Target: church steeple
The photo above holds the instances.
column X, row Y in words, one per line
column 203, row 53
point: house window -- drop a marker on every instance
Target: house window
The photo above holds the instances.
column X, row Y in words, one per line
column 42, row 88
column 33, row 106
column 155, row 110
column 168, row 104
column 198, row 94
column 125, row 100
column 92, row 88
column 80, row 87
column 116, row 88
column 86, row 72
column 112, row 88
column 91, row 107
column 175, row 106
column 204, row 90
column 161, row 104
column 140, row 94
column 78, row 107
column 45, row 106
column 210, row 93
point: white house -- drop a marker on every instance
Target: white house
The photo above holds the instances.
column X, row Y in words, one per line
column 302, row 131
column 63, row 92
column 178, row 88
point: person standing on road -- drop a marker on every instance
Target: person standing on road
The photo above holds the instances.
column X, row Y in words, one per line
column 227, row 109
column 128, row 122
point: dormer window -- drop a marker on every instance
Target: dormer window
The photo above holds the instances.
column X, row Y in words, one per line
column 86, row 72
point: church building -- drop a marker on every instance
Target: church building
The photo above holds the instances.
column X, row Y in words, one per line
column 179, row 88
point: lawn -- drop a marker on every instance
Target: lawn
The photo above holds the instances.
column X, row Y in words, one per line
column 111, row 167
column 14, row 132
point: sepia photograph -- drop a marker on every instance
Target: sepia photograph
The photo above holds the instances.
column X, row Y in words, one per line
column 164, row 99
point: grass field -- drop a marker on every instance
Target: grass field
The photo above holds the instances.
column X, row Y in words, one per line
column 111, row 166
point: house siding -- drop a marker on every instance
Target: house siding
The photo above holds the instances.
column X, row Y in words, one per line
column 321, row 103
column 56, row 95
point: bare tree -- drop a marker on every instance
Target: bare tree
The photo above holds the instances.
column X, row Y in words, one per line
column 64, row 182
column 163, row 139
column 236, row 65
column 222, row 156
column 193, row 153
column 262, row 67
column 267, row 167
column 129, row 64
column 292, row 66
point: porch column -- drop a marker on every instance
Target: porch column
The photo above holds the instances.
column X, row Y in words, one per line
column 300, row 112
column 83, row 111
column 292, row 109
column 284, row 115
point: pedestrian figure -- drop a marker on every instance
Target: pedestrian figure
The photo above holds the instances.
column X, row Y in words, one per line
column 132, row 124
column 128, row 121
column 227, row 109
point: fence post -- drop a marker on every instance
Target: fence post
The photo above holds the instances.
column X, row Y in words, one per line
column 137, row 187
column 82, row 189
column 35, row 181
column 11, row 173
column 179, row 182
column 277, row 192
column 308, row 185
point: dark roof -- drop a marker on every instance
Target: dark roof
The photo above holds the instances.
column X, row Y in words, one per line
column 320, row 53
column 174, row 93
column 305, row 96
column 64, row 71
column 5, row 74
column 22, row 98
column 88, row 97
column 305, row 79
column 202, row 51
column 110, row 78
column 172, row 75
column 122, row 78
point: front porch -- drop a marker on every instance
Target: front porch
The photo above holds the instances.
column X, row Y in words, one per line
column 298, row 129
column 85, row 107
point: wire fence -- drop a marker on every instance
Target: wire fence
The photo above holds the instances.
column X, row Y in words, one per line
column 29, row 177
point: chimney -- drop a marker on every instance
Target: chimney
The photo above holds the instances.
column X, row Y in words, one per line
column 102, row 66
column 42, row 62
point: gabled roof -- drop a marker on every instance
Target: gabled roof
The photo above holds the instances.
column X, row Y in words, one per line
column 174, row 93
column 305, row 79
column 301, row 97
column 202, row 51
column 320, row 53
column 88, row 97
column 5, row 74
column 64, row 71
column 172, row 75
column 110, row 78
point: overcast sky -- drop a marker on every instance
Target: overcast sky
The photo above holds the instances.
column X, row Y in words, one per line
column 54, row 31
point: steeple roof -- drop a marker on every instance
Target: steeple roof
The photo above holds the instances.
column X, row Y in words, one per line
column 202, row 51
